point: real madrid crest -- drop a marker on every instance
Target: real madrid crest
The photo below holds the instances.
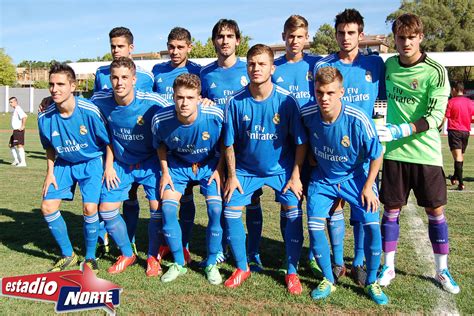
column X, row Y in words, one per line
column 368, row 76
column 345, row 141
column 309, row 76
column 414, row 84
column 276, row 118
column 243, row 81
column 82, row 130
column 205, row 135
column 140, row 120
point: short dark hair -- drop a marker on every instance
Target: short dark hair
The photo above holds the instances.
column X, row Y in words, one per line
column 179, row 34
column 295, row 22
column 63, row 68
column 225, row 24
column 407, row 24
column 259, row 49
column 13, row 98
column 124, row 62
column 121, row 32
column 458, row 86
column 350, row 16
column 187, row 80
column 327, row 75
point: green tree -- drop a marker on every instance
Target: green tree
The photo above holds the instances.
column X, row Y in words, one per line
column 41, row 84
column 448, row 26
column 7, row 70
column 201, row 50
column 324, row 41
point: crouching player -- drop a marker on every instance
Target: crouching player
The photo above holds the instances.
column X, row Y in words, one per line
column 345, row 144
column 187, row 137
column 129, row 114
column 74, row 134
column 265, row 144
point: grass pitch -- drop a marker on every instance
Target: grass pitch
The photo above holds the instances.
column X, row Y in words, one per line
column 26, row 247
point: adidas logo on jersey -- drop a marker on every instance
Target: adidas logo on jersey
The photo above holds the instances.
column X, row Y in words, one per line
column 55, row 133
column 246, row 118
column 159, row 80
column 109, row 118
column 175, row 139
column 104, row 87
column 213, row 85
column 280, row 79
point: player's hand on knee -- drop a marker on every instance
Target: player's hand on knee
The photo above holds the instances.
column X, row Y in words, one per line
column 111, row 179
column 295, row 185
column 165, row 181
column 50, row 179
column 217, row 176
column 369, row 200
column 231, row 184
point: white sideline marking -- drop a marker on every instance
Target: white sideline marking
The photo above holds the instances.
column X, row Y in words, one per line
column 419, row 236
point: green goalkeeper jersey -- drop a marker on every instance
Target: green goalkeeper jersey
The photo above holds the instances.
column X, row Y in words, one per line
column 414, row 92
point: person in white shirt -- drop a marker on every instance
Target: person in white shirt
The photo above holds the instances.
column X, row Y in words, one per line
column 17, row 140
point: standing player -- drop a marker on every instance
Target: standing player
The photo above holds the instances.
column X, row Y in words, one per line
column 17, row 140
column 364, row 82
column 459, row 115
column 121, row 45
column 417, row 93
column 265, row 145
column 294, row 72
column 187, row 138
column 342, row 139
column 73, row 132
column 179, row 46
column 220, row 79
column 129, row 113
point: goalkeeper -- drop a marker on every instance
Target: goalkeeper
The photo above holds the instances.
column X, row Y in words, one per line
column 417, row 94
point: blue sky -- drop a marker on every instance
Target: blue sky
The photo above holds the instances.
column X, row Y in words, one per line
column 72, row 29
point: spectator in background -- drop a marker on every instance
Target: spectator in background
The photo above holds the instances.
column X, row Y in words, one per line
column 459, row 115
column 17, row 140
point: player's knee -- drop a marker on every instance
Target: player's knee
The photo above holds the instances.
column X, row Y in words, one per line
column 89, row 209
column 48, row 207
column 434, row 211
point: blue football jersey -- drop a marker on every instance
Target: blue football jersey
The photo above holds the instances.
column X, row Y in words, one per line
column 297, row 77
column 77, row 138
column 194, row 143
column 342, row 148
column 102, row 79
column 219, row 83
column 130, row 125
column 165, row 74
column 364, row 79
column 264, row 133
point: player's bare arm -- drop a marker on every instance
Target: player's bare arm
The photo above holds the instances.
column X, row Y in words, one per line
column 110, row 175
column 165, row 177
column 232, row 182
column 368, row 197
column 294, row 184
column 50, row 178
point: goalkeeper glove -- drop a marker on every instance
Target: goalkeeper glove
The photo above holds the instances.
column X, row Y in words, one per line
column 390, row 132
